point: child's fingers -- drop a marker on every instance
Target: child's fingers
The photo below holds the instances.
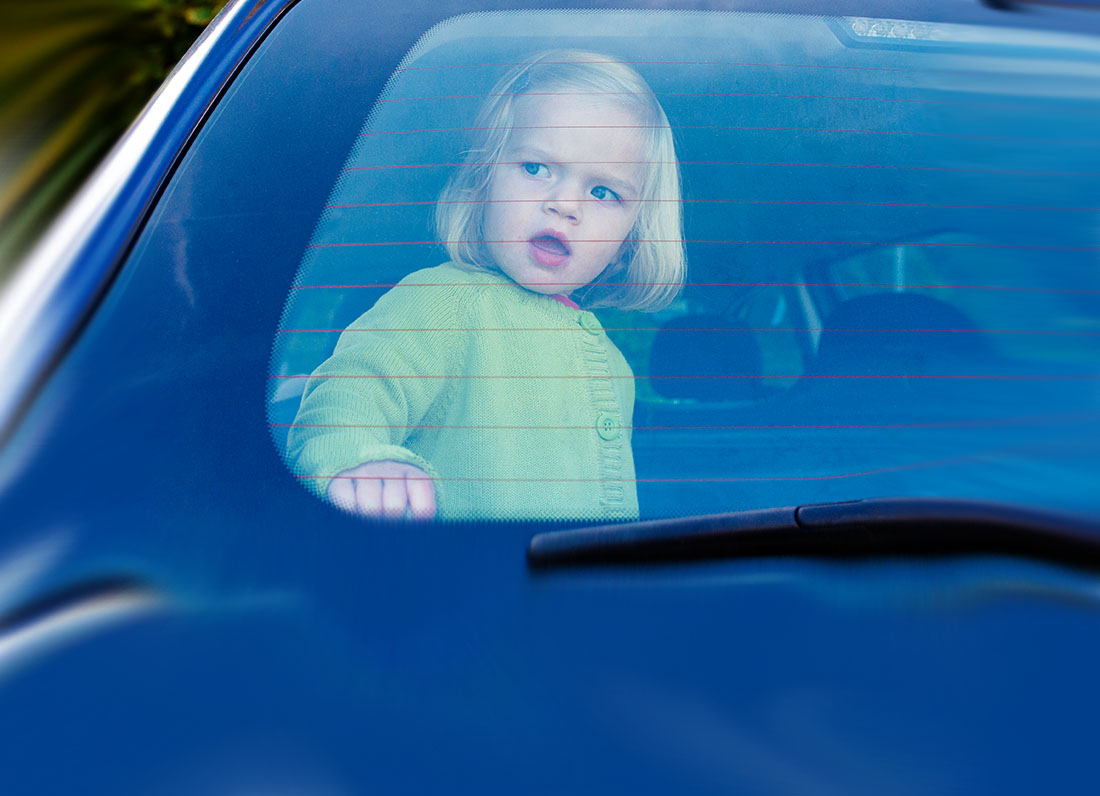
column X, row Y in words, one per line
column 384, row 489
column 394, row 496
column 341, row 491
column 368, row 491
column 421, row 493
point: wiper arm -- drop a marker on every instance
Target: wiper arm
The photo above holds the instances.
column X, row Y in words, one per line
column 856, row 529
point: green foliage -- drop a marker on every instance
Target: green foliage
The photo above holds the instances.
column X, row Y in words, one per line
column 73, row 75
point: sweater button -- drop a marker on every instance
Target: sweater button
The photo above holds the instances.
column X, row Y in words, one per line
column 590, row 323
column 607, row 426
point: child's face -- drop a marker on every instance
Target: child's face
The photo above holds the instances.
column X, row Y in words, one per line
column 565, row 193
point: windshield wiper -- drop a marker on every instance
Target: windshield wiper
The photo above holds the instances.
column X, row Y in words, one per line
column 856, row 529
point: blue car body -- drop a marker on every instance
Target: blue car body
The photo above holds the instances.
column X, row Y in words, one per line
column 178, row 615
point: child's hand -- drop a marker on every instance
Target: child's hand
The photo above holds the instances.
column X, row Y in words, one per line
column 385, row 489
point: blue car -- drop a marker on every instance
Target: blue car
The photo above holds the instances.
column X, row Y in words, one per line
column 481, row 397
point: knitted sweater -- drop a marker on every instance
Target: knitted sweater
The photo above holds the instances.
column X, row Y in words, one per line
column 517, row 405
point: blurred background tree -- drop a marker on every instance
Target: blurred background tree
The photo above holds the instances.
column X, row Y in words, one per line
column 73, row 75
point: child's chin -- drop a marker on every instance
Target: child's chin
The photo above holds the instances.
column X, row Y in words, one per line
column 547, row 288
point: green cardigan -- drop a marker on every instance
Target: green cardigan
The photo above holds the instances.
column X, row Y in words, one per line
column 517, row 405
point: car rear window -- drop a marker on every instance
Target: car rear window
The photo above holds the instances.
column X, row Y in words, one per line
column 891, row 284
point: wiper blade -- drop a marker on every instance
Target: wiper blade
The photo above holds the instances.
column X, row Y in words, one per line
column 855, row 529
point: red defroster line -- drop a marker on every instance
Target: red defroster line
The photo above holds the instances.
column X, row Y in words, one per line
column 922, row 244
column 1058, row 332
column 728, row 377
column 743, row 127
column 426, row 202
column 891, row 285
column 1016, row 421
column 964, row 169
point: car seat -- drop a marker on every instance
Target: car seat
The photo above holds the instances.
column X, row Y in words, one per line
column 898, row 334
column 706, row 357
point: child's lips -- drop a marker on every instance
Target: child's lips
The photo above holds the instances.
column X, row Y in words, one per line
column 549, row 249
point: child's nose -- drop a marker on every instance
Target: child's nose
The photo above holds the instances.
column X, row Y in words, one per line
column 564, row 204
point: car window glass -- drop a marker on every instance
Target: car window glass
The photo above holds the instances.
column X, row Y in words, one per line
column 890, row 236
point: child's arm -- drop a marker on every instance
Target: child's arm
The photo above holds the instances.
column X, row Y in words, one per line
column 348, row 439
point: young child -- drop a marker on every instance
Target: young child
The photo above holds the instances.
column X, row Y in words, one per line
column 484, row 387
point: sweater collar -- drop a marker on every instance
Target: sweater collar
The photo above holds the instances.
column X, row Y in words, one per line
column 530, row 296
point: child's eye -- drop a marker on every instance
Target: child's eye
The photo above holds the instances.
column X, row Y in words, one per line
column 536, row 169
column 602, row 192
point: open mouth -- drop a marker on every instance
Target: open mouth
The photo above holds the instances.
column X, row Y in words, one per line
column 550, row 245
column 549, row 250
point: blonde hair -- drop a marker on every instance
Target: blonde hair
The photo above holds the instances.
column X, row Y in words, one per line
column 650, row 268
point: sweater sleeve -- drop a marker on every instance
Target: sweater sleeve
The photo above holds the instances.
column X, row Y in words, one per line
column 388, row 369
